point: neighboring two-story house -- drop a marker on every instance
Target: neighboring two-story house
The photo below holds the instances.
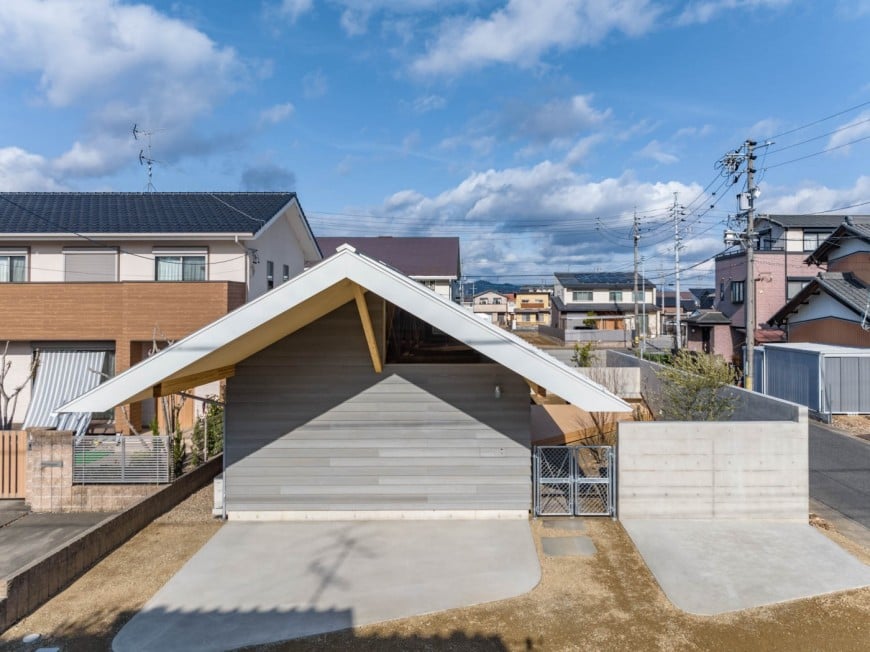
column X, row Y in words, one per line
column 496, row 307
column 113, row 273
column 834, row 307
column 434, row 262
column 603, row 301
column 783, row 243
column 531, row 309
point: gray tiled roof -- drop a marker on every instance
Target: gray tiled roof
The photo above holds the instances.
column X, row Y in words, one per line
column 139, row 212
column 810, row 221
column 854, row 228
column 707, row 317
column 600, row 280
column 433, row 257
column 845, row 287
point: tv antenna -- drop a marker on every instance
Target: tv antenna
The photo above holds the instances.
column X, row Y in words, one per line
column 146, row 158
column 865, row 321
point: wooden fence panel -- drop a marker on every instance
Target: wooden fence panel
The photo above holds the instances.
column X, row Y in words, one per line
column 13, row 457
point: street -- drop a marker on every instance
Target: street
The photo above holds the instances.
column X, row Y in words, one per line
column 840, row 472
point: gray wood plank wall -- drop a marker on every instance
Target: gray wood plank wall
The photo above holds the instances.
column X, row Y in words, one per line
column 311, row 426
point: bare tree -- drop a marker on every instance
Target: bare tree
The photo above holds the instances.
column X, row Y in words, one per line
column 170, row 405
column 9, row 397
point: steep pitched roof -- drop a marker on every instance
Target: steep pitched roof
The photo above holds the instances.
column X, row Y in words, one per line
column 706, row 317
column 845, row 287
column 600, row 280
column 852, row 228
column 415, row 257
column 139, row 212
column 214, row 349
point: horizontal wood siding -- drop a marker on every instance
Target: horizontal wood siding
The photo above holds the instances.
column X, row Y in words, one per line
column 311, row 426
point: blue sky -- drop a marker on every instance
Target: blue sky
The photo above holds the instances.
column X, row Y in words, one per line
column 531, row 129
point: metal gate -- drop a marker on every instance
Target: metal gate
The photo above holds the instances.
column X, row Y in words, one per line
column 574, row 480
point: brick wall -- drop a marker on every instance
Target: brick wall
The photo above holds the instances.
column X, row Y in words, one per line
column 49, row 486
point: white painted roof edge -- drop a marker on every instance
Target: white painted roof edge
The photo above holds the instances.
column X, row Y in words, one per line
column 499, row 345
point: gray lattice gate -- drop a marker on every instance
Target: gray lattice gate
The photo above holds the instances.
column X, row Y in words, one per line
column 574, row 480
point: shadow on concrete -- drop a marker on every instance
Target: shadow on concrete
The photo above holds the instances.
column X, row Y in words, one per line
column 176, row 630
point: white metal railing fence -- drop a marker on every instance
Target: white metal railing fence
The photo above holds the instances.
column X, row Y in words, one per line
column 121, row 460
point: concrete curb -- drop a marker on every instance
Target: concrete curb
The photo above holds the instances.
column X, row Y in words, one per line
column 43, row 578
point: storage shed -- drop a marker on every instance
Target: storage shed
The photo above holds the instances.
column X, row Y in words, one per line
column 827, row 379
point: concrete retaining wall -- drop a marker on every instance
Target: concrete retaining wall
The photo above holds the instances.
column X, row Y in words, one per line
column 713, row 470
column 602, row 337
column 749, row 406
column 33, row 585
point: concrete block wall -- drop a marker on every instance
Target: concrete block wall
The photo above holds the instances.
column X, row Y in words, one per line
column 49, row 482
column 713, row 470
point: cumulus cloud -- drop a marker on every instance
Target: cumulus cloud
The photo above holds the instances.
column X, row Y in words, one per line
column 275, row 114
column 120, row 64
column 22, row 171
column 813, row 198
column 524, row 30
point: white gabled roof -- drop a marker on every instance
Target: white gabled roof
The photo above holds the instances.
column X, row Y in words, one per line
column 313, row 294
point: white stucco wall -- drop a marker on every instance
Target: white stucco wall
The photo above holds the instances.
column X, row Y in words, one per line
column 279, row 243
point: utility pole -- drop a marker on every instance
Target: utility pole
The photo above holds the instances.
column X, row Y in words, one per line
column 643, row 276
column 678, row 240
column 749, row 299
column 636, row 242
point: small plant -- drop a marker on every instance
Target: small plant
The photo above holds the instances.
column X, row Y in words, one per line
column 583, row 355
column 179, row 453
column 692, row 387
column 590, row 320
column 154, row 427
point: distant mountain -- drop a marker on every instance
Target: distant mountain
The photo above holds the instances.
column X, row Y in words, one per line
column 472, row 287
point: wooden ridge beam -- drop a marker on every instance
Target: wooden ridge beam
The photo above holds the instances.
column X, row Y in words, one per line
column 366, row 319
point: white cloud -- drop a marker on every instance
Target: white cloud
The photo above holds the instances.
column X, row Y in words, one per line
column 582, row 148
column 429, row 103
column 293, row 9
column 694, row 132
column 354, row 22
column 524, row 30
column 23, row 171
column 121, row 64
column 812, row 198
column 655, row 150
column 275, row 114
column 856, row 129
column 707, row 10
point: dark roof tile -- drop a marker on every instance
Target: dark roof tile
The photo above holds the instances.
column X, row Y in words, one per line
column 433, row 257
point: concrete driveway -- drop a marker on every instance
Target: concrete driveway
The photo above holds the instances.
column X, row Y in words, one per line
column 708, row 567
column 255, row 583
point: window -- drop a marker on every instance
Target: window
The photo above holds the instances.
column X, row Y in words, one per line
column 90, row 265
column 812, row 239
column 794, row 286
column 13, row 268
column 737, row 290
column 179, row 268
column 483, row 301
column 638, row 296
column 286, row 274
column 616, row 295
column 721, row 290
column 581, row 296
column 270, row 275
column 496, row 302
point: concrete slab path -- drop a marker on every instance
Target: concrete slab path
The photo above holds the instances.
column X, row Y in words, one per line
column 28, row 538
column 708, row 567
column 256, row 583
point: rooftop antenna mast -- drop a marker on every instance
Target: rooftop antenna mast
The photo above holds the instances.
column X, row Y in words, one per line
column 146, row 158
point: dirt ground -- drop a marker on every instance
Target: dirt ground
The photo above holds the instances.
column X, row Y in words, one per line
column 858, row 425
column 606, row 602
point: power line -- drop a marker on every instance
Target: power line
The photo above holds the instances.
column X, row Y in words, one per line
column 820, row 120
column 824, row 151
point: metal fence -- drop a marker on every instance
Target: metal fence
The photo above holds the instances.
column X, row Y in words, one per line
column 121, row 460
column 574, row 481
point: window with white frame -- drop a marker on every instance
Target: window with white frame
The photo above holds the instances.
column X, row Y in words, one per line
column 180, row 265
column 286, row 274
column 270, row 275
column 13, row 266
column 738, row 288
column 583, row 295
column 616, row 295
